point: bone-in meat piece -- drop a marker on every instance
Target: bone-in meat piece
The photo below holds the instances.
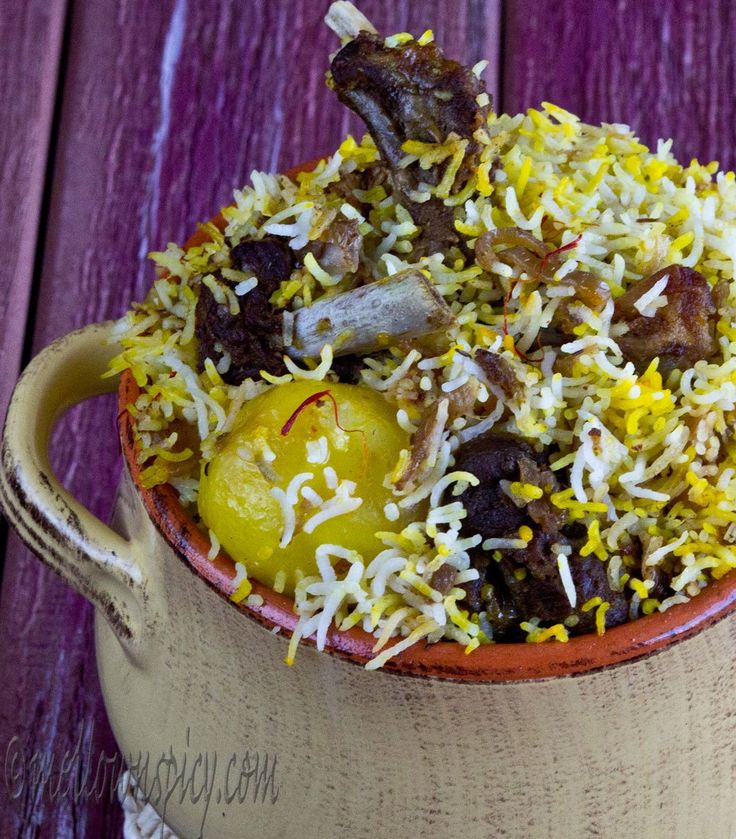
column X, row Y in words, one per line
column 368, row 318
column 346, row 21
column 412, row 92
column 409, row 92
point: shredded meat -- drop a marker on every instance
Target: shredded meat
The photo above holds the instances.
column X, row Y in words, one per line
column 526, row 583
column 425, row 443
column 412, row 92
column 498, row 371
column 247, row 337
column 436, row 223
column 372, row 176
column 462, row 399
column 680, row 333
column 338, row 249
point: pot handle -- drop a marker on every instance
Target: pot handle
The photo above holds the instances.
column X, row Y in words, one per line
column 90, row 556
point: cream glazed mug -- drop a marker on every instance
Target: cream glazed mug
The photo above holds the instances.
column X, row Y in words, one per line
column 630, row 734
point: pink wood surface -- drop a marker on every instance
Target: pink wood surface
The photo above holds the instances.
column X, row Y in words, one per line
column 165, row 108
column 31, row 36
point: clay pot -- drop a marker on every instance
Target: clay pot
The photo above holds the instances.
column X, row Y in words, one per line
column 633, row 733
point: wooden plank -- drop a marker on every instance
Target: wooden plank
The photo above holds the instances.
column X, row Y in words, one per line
column 666, row 69
column 31, row 34
column 163, row 114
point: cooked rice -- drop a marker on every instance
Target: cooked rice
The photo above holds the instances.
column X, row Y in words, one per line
column 663, row 466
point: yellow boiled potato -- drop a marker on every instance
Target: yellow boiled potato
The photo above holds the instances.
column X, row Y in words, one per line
column 237, row 499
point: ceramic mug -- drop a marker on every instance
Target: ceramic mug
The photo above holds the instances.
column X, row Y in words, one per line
column 630, row 734
column 634, row 732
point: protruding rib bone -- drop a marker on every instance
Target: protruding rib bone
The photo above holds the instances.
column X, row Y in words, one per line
column 347, row 22
column 369, row 318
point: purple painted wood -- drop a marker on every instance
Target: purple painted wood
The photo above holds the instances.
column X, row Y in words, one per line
column 31, row 35
column 163, row 114
column 668, row 69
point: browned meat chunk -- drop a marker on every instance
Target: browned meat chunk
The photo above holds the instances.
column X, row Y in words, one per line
column 248, row 337
column 413, row 92
column 443, row 578
column 493, row 458
column 270, row 259
column 538, row 590
column 680, row 333
column 541, row 510
column 526, row 583
column 246, row 340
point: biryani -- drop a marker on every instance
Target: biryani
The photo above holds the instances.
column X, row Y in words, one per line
column 471, row 378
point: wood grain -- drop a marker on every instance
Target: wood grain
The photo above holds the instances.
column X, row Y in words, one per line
column 163, row 113
column 31, row 34
column 666, row 69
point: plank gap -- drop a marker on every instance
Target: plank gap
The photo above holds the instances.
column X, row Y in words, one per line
column 499, row 104
column 23, row 349
column 27, row 351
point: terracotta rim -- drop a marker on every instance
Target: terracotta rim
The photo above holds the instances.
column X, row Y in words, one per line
column 445, row 659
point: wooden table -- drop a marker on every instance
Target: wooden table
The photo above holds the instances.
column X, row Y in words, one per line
column 126, row 122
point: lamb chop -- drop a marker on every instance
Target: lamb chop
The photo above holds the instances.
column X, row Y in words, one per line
column 409, row 92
